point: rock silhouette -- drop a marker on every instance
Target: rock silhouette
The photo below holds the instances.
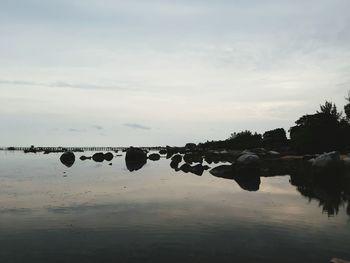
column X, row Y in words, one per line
column 68, row 159
column 135, row 159
column 98, row 157
column 83, row 157
column 108, row 156
column 247, row 179
column 154, row 157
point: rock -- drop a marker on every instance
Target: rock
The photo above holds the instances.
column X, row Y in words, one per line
column 326, row 160
column 248, row 159
column 68, row 159
column 248, row 182
column 185, row 168
column 197, row 169
column 108, row 156
column 223, row 171
column 154, row 157
column 193, row 158
column 98, row 157
column 83, row 158
column 135, row 159
column 174, row 165
column 273, row 153
column 177, row 158
column 162, row 151
column 110, row 164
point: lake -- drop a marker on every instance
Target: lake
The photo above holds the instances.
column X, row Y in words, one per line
column 96, row 212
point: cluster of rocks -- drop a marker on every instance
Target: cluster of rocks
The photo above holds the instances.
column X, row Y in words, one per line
column 245, row 167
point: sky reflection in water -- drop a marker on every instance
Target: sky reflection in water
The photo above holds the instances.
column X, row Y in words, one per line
column 99, row 213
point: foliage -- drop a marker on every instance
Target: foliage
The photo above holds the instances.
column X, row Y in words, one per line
column 275, row 139
column 347, row 107
column 323, row 131
column 244, row 140
column 330, row 108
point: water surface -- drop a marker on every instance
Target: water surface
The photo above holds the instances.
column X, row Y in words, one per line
column 96, row 212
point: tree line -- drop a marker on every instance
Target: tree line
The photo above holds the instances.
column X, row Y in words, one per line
column 326, row 130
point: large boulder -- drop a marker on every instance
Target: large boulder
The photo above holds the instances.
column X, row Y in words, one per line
column 135, row 159
column 327, row 160
column 248, row 159
column 67, row 158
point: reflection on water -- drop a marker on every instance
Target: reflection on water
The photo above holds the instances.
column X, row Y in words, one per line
column 94, row 212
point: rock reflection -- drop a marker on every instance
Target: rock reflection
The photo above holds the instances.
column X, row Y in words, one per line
column 247, row 179
column 331, row 188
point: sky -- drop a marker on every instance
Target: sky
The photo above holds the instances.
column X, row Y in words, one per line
column 161, row 72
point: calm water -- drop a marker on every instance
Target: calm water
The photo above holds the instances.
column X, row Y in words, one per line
column 94, row 212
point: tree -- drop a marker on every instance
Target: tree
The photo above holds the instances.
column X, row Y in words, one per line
column 244, row 140
column 275, row 138
column 330, row 108
column 347, row 107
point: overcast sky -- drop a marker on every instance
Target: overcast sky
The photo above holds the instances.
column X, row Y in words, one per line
column 155, row 72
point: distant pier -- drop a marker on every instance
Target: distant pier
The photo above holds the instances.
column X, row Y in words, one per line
column 77, row 149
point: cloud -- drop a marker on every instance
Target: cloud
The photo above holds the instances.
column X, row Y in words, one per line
column 61, row 84
column 136, row 126
column 98, row 127
column 76, row 130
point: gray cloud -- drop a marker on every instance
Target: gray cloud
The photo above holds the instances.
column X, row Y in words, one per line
column 98, row 127
column 62, row 84
column 136, row 126
column 76, row 130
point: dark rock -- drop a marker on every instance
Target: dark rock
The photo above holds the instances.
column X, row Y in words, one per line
column 110, row 164
column 176, row 158
column 197, row 169
column 68, row 159
column 185, row 168
column 135, row 159
column 108, row 156
column 193, row 158
column 154, row 157
column 223, row 171
column 83, row 158
column 248, row 182
column 162, row 151
column 174, row 165
column 98, row 157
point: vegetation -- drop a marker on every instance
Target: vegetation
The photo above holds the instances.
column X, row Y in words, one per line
column 326, row 130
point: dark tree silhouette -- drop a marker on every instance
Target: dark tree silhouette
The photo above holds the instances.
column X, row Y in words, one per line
column 244, row 140
column 347, row 107
column 330, row 108
column 275, row 139
column 323, row 131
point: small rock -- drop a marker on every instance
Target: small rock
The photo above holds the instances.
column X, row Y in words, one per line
column 98, row 157
column 154, row 157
